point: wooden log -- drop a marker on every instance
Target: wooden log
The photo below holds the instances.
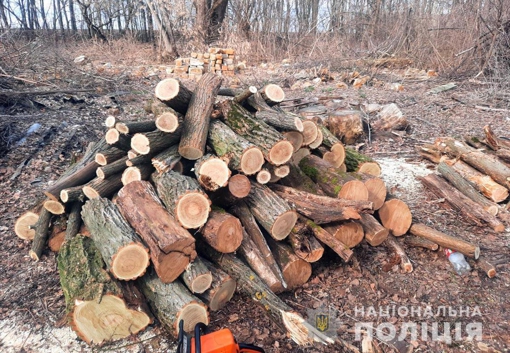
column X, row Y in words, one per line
column 445, row 240
column 239, row 186
column 183, row 198
column 276, row 118
column 430, row 152
column 297, row 179
column 197, row 276
column 174, row 94
column 78, row 177
column 375, row 233
column 318, row 141
column 272, row 94
column 155, row 141
column 137, row 173
column 167, row 159
column 346, row 125
column 211, row 172
column 115, row 139
column 487, row 267
column 336, row 153
column 133, row 127
column 299, row 155
column 100, row 308
column 357, row 162
column 493, row 141
column 245, row 94
column 310, row 132
column 275, row 148
column 167, row 119
column 466, row 188
column 296, row 271
column 465, row 205
column 504, row 155
column 73, row 221
column 395, row 216
column 102, row 187
column 25, row 225
column 172, row 248
column 222, row 231
column 392, row 243
column 349, row 233
column 196, row 121
column 109, row 155
column 54, row 207
column 415, row 241
column 40, row 235
column 122, row 250
column 263, row 176
column 113, row 168
column 304, row 244
column 132, row 154
column 172, row 302
column 110, row 121
column 295, row 138
column 328, row 239
column 222, row 288
column 483, row 183
column 55, row 240
column 390, row 117
column 72, row 194
column 241, row 154
column 322, row 209
column 376, row 188
column 271, row 211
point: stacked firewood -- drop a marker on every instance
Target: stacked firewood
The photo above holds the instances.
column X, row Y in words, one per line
column 217, row 196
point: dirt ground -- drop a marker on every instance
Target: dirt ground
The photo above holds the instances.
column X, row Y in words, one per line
column 32, row 308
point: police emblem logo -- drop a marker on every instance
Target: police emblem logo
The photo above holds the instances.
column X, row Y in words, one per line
column 322, row 322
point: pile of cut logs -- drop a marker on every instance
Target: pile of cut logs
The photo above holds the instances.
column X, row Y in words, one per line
column 209, row 196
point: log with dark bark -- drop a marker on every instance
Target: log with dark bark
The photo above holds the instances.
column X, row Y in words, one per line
column 211, row 172
column 405, row 263
column 241, row 154
column 349, row 233
column 357, row 162
column 122, row 250
column 197, row 276
column 54, row 207
column 40, row 235
column 133, row 127
column 137, row 173
column 275, row 148
column 183, row 198
column 299, row 180
column 487, row 267
column 245, row 94
column 174, row 94
column 93, row 298
column 278, row 119
column 196, row 121
column 155, row 141
column 172, row 302
column 167, row 119
column 167, row 159
column 445, row 240
column 322, row 209
column 172, row 248
column 465, row 205
column 304, row 244
column 346, row 125
column 78, row 177
column 419, row 242
column 222, row 288
column 113, row 168
column 375, row 233
column 103, row 187
column 222, row 231
column 271, row 211
column 73, row 221
column 115, row 139
column 395, row 216
column 109, row 155
column 72, row 194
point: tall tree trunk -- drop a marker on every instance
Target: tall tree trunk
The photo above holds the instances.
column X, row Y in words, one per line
column 72, row 16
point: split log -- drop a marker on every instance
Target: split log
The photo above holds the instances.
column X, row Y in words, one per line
column 295, row 138
column 419, row 242
column 275, row 148
column 277, row 119
column 465, row 205
column 174, row 94
column 405, row 263
column 100, row 309
column 346, row 125
column 310, row 132
column 197, row 277
column 40, row 235
column 487, row 267
column 271, row 211
column 167, row 159
column 72, row 194
column 109, row 155
column 102, row 187
column 263, row 176
column 445, row 240
column 133, row 127
column 273, row 94
column 242, row 155
column 155, row 141
column 140, row 172
column 296, row 271
column 172, row 302
column 349, row 233
column 196, row 121
column 304, row 244
column 357, row 162
column 73, row 221
column 395, row 216
column 211, row 172
column 183, row 198
column 483, row 183
column 115, row 139
column 466, row 188
column 123, row 252
column 172, row 248
column 322, row 209
column 25, row 225
column 111, row 169
column 375, row 233
column 222, row 231
column 54, row 207
column 222, row 288
column 299, row 180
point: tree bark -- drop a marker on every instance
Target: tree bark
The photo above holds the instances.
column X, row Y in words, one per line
column 155, row 141
column 109, row 155
column 304, row 244
column 103, row 188
column 167, row 159
column 174, row 94
column 115, row 139
column 133, row 127
column 277, row 119
column 108, row 170
column 73, row 221
column 41, row 234
column 415, row 241
column 357, row 162
column 197, row 276
column 297, row 179
column 405, row 263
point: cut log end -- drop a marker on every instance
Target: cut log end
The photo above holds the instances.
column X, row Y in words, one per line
column 349, row 233
column 376, row 192
column 396, row 216
column 90, row 192
column 263, row 176
column 201, row 283
column 299, row 124
column 191, row 153
column 283, row 225
column 371, row 168
column 167, row 122
column 131, row 174
column 101, row 159
column 108, row 320
column 297, row 273
column 318, row 141
column 167, row 89
column 354, row 190
column 282, row 171
column 223, row 294
column 273, row 93
column 54, row 207
column 140, row 144
column 24, row 224
column 122, row 128
column 281, row 153
column 239, row 185
column 130, row 262
column 310, row 132
column 193, row 210
column 214, row 174
column 110, row 121
column 252, row 161
column 112, row 136
column 295, row 138
column 192, row 314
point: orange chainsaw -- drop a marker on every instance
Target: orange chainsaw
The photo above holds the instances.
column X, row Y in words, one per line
column 221, row 341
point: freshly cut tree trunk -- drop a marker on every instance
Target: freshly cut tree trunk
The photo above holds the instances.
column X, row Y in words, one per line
column 263, row 176
column 466, row 206
column 54, row 207
column 72, row 194
column 222, row 288
column 349, row 233
column 93, row 298
column 115, row 139
column 73, row 221
column 336, row 153
column 103, row 188
column 487, row 267
column 211, row 172
column 110, row 121
column 155, row 141
column 242, row 155
column 271, row 211
column 273, row 94
column 322, row 209
column 172, row 248
column 304, row 244
column 445, row 240
column 405, row 263
column 299, row 180
column 174, row 94
column 222, row 231
column 167, row 159
column 295, row 138
column 395, row 216
column 41, row 234
column 357, row 162
column 169, row 121
column 183, row 198
column 346, row 125
column 111, row 169
column 466, row 188
column 375, row 233
column 239, row 186
column 277, row 119
column 109, row 155
column 172, row 302
column 296, row 271
column 197, row 276
column 245, row 94
column 483, row 183
column 310, row 132
column 140, row 172
column 24, row 226
column 78, row 177
column 415, row 241
column 299, row 155
column 124, row 254
column 196, row 121
column 133, row 127
column 132, row 154
column 275, row 148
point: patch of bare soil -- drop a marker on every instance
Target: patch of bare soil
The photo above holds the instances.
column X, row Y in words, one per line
column 32, row 308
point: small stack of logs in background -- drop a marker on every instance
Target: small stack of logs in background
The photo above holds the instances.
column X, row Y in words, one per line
column 181, row 209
